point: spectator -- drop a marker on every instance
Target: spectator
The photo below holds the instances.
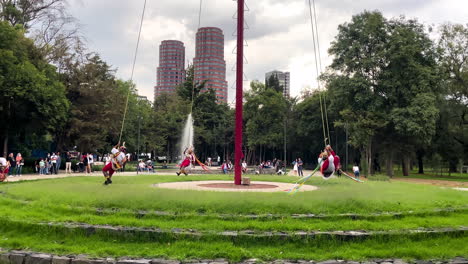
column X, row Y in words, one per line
column 19, row 164
column 107, row 159
column 141, row 166
column 53, row 164
column 68, row 163
column 59, row 163
column 224, row 167
column 149, row 165
column 356, row 171
column 42, row 167
column 244, row 166
column 299, row 167
column 11, row 159
column 295, row 168
column 90, row 162
column 47, row 163
column 85, row 163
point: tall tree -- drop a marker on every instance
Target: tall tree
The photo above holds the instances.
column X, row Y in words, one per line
column 32, row 98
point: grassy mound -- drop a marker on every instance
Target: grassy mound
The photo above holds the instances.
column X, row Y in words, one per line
column 339, row 204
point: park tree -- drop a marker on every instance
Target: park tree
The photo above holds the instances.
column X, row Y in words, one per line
column 386, row 84
column 452, row 138
column 410, row 88
column 359, row 60
column 97, row 105
column 264, row 113
column 273, row 83
column 32, row 100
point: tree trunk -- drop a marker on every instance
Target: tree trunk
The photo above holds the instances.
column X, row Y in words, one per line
column 5, row 145
column 420, row 155
column 368, row 156
column 389, row 164
column 406, row 164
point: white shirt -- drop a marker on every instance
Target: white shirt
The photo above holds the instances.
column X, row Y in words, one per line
column 121, row 155
column 355, row 169
column 244, row 165
column 90, row 159
column 53, row 158
column 3, row 161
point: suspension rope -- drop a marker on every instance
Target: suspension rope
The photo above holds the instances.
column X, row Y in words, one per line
column 317, row 71
column 320, row 65
column 133, row 69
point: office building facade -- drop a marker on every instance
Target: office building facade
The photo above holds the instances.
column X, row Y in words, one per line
column 209, row 63
column 283, row 79
column 171, row 70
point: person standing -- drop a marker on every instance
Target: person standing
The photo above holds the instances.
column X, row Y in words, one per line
column 19, row 164
column 4, row 167
column 11, row 159
column 59, row 163
column 53, row 163
column 295, row 167
column 356, row 171
column 68, row 163
column 299, row 167
column 90, row 162
column 86, row 162
column 42, row 167
column 47, row 164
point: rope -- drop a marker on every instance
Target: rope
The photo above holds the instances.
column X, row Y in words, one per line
column 317, row 71
column 320, row 65
column 133, row 70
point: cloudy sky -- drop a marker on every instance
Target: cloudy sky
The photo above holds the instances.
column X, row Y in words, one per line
column 279, row 35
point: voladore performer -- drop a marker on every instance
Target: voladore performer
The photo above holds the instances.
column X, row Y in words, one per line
column 187, row 162
column 118, row 159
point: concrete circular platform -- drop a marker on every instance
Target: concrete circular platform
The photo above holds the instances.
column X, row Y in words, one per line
column 229, row 186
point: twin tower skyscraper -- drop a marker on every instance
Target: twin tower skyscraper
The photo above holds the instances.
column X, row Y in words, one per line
column 209, row 64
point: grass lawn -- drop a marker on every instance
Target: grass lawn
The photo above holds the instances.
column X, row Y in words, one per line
column 24, row 205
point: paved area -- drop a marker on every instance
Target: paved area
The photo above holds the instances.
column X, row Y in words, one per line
column 205, row 186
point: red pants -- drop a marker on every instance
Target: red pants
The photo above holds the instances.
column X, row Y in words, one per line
column 108, row 168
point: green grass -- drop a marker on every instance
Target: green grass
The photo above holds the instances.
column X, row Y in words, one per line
column 76, row 242
column 24, row 205
column 334, row 196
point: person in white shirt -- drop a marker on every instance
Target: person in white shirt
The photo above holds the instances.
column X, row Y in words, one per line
column 356, row 171
column 244, row 166
column 118, row 159
column 53, row 161
column 90, row 158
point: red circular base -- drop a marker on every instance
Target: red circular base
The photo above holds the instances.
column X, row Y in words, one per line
column 233, row 186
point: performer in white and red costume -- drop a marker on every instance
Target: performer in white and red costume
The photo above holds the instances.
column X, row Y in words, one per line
column 187, row 162
column 118, row 159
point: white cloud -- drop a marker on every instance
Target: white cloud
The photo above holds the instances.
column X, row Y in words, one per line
column 279, row 36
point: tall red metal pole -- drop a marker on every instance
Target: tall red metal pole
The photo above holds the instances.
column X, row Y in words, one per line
column 239, row 90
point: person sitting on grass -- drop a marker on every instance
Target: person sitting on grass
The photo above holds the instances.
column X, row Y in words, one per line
column 118, row 159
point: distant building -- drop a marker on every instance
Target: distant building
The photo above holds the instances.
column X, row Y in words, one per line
column 171, row 70
column 283, row 79
column 142, row 98
column 209, row 63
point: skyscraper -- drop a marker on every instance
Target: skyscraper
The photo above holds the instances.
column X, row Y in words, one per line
column 171, row 70
column 283, row 79
column 209, row 63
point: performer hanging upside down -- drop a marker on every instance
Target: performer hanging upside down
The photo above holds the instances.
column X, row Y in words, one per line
column 4, row 168
column 118, row 159
column 327, row 166
column 189, row 159
column 336, row 159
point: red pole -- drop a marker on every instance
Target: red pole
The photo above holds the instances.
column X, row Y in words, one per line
column 239, row 84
